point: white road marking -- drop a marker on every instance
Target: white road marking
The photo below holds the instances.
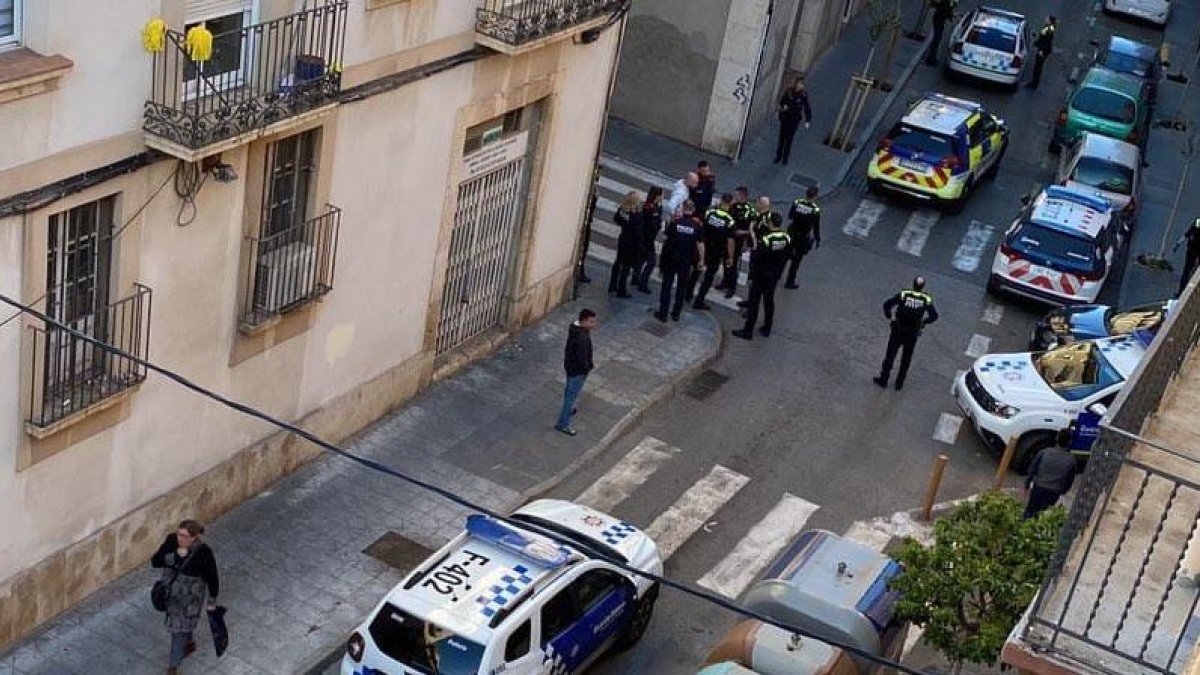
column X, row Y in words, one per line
column 947, row 428
column 627, row 475
column 872, row 537
column 916, row 231
column 992, row 314
column 970, row 249
column 860, row 222
column 759, row 547
column 606, row 205
column 978, row 346
column 650, row 176
column 616, row 186
column 679, row 522
column 954, row 382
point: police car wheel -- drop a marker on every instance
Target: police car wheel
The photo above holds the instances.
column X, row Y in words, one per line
column 1028, row 447
column 636, row 628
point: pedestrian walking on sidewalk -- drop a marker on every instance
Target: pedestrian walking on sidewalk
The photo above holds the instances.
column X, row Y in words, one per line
column 629, row 243
column 189, row 577
column 1050, row 476
column 909, row 311
column 651, row 224
column 1043, row 45
column 794, row 110
column 681, row 251
column 804, row 227
column 718, row 246
column 943, row 11
column 743, row 215
column 766, row 267
column 577, row 362
column 1192, row 256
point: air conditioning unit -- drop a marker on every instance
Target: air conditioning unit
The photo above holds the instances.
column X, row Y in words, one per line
column 284, row 277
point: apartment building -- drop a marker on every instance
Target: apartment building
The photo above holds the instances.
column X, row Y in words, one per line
column 315, row 207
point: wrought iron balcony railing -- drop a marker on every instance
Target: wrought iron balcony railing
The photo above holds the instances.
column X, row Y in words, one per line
column 513, row 23
column 70, row 374
column 255, row 77
column 290, row 268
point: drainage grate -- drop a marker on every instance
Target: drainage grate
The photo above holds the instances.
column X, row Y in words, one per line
column 800, row 180
column 398, row 552
column 656, row 327
column 705, row 384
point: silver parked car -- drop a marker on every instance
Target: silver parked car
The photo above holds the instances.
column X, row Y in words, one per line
column 1110, row 168
column 1154, row 11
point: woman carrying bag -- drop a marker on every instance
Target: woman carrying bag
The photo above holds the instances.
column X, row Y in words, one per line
column 189, row 584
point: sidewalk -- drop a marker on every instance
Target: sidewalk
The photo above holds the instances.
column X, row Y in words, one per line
column 295, row 571
column 812, row 162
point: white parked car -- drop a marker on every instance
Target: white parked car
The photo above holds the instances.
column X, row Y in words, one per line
column 990, row 44
column 1155, row 11
column 1030, row 396
column 502, row 598
column 1059, row 250
column 1107, row 167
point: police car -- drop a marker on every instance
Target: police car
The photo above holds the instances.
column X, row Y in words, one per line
column 503, row 598
column 990, row 44
column 939, row 151
column 1030, row 396
column 1065, row 325
column 1060, row 249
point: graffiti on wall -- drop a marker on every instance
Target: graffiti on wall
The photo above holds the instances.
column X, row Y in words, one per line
column 741, row 89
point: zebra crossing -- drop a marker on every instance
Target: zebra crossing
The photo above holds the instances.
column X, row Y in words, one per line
column 975, row 242
column 700, row 503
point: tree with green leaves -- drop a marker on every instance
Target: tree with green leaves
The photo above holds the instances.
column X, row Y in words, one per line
column 970, row 587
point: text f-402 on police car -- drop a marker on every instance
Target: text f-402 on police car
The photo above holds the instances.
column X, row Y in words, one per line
column 502, row 598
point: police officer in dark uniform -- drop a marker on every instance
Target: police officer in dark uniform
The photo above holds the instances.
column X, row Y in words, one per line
column 718, row 246
column 681, row 250
column 1043, row 46
column 943, row 11
column 1192, row 257
column 743, row 213
column 804, row 227
column 702, row 197
column 909, row 311
column 766, row 266
column 760, row 226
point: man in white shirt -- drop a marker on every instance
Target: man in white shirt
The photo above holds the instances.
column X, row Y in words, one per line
column 680, row 190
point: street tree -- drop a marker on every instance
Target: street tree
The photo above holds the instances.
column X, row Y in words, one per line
column 970, row 587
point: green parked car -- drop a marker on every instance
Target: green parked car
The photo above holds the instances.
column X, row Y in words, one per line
column 1108, row 103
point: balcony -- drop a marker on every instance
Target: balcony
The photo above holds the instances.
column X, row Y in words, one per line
column 70, row 375
column 289, row 269
column 518, row 26
column 260, row 79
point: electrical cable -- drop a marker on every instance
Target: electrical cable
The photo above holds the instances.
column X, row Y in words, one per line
column 189, row 179
column 442, row 492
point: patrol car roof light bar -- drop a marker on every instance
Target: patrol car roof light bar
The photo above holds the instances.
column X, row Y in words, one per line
column 442, row 492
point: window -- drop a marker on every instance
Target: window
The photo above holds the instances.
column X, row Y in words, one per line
column 225, row 19
column 492, row 130
column 1106, row 104
column 518, row 643
column 10, row 22
column 290, row 167
column 1103, row 174
column 559, row 614
column 423, row 646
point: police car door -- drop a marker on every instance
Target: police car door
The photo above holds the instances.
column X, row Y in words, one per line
column 518, row 655
column 579, row 620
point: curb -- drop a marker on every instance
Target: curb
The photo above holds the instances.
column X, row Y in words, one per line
column 631, row 418
column 897, row 86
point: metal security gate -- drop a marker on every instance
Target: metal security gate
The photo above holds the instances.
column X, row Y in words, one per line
column 477, row 272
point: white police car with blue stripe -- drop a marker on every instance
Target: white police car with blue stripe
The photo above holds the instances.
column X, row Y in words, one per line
column 501, row 598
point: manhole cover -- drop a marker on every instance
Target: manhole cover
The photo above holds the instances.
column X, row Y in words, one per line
column 656, row 328
column 399, row 552
column 800, row 180
column 705, row 384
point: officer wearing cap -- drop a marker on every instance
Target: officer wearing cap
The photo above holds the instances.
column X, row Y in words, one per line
column 909, row 311
column 766, row 266
column 718, row 246
column 804, row 228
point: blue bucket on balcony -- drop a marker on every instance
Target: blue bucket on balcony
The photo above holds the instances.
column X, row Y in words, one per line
column 309, row 67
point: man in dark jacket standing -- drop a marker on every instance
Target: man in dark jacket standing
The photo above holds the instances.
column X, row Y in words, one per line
column 682, row 249
column 1043, row 46
column 909, row 311
column 794, row 109
column 767, row 261
column 1050, row 475
column 943, row 11
column 577, row 361
column 805, row 230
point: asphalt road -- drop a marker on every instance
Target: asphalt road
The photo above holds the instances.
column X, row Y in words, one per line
column 799, row 416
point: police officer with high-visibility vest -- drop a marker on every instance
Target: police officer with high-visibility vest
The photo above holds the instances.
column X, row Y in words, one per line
column 767, row 261
column 743, row 215
column 1043, row 46
column 1192, row 257
column 804, row 227
column 909, row 311
column 718, row 246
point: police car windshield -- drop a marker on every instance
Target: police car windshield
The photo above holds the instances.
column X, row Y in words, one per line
column 921, row 141
column 1135, row 319
column 423, row 646
column 1076, row 252
column 1126, row 63
column 1106, row 104
column 992, row 38
column 1104, row 175
column 1075, row 371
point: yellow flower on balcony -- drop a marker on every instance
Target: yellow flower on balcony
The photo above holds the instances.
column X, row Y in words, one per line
column 199, row 42
column 154, row 35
